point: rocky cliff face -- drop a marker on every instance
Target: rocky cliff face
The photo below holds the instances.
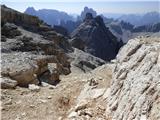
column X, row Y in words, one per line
column 135, row 90
column 93, row 37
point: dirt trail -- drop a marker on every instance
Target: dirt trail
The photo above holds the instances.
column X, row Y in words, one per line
column 47, row 104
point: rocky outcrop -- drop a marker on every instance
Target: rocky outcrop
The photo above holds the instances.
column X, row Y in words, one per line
column 95, row 38
column 10, row 30
column 26, row 68
column 135, row 90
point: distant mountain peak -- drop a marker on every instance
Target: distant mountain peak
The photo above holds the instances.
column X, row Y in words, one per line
column 50, row 16
column 88, row 10
column 30, row 10
column 136, row 19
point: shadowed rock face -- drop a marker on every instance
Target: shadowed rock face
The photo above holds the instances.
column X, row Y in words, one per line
column 96, row 38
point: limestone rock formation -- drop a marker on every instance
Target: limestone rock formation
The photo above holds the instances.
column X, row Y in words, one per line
column 95, row 38
column 135, row 89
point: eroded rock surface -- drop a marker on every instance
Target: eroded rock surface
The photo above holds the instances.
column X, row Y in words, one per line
column 135, row 89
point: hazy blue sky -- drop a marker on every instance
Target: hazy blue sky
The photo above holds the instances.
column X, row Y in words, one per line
column 76, row 6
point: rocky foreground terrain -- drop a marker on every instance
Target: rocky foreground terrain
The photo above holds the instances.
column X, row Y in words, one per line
column 44, row 78
column 126, row 89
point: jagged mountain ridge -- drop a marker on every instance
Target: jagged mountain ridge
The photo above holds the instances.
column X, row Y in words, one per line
column 93, row 37
column 147, row 28
column 50, row 16
column 125, row 31
column 148, row 18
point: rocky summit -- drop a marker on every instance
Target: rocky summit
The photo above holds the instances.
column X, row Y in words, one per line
column 94, row 37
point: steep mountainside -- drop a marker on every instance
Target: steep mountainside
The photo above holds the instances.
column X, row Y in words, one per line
column 93, row 37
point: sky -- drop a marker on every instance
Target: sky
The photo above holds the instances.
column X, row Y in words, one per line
column 76, row 6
